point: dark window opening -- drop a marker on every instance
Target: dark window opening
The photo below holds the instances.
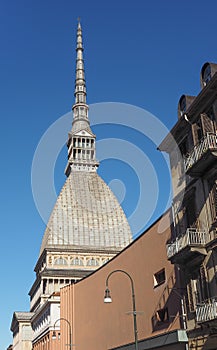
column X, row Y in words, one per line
column 159, row 278
column 207, row 74
column 162, row 315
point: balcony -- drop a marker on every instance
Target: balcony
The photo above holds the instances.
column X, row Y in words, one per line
column 202, row 156
column 207, row 311
column 188, row 246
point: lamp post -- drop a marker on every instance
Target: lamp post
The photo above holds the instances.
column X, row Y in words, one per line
column 70, row 331
column 108, row 299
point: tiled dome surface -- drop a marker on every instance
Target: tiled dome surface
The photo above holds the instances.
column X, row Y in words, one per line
column 86, row 215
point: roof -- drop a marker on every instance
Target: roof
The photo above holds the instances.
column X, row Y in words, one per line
column 86, row 215
column 198, row 105
column 23, row 316
column 20, row 316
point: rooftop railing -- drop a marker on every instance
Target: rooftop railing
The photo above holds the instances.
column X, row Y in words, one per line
column 208, row 142
column 192, row 237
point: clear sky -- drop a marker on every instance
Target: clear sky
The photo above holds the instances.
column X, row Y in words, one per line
column 143, row 53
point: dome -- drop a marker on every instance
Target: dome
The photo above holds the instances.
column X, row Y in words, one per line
column 86, row 215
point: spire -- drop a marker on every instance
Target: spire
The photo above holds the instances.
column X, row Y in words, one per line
column 80, row 85
column 81, row 140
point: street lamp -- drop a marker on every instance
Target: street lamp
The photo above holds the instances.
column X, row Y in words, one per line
column 108, row 299
column 70, row 331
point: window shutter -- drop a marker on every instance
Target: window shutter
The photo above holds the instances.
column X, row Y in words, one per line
column 195, row 128
column 203, row 283
column 191, row 303
column 207, row 124
column 213, row 200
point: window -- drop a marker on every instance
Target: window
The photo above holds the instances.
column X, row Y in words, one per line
column 77, row 261
column 207, row 122
column 207, row 75
column 60, row 261
column 162, row 315
column 197, row 132
column 159, row 278
column 105, row 261
column 190, row 211
column 183, row 106
column 184, row 147
column 213, row 200
column 92, row 262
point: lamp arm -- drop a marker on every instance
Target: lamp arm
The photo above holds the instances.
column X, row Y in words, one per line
column 133, row 301
column 70, row 330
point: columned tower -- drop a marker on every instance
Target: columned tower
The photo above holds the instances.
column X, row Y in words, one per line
column 81, row 140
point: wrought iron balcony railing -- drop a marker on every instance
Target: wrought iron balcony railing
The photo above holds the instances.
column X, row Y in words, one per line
column 207, row 311
column 208, row 142
column 192, row 237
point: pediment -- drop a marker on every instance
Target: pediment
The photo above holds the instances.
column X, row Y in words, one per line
column 84, row 133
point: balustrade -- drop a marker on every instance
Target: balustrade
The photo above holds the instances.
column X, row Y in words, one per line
column 207, row 311
column 192, row 237
column 208, row 142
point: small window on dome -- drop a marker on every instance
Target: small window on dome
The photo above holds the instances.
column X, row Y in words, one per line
column 60, row 261
column 76, row 112
column 77, row 261
column 105, row 261
column 92, row 262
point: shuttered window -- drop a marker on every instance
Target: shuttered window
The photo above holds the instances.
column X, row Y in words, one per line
column 207, row 123
column 191, row 301
column 197, row 132
column 213, row 200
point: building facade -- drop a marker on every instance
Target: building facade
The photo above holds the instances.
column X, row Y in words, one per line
column 188, row 249
column 87, row 226
column 193, row 244
column 159, row 308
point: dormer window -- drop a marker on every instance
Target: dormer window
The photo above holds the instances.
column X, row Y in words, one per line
column 184, row 103
column 207, row 72
column 207, row 75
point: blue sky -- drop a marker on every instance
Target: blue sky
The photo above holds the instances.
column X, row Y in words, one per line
column 143, row 53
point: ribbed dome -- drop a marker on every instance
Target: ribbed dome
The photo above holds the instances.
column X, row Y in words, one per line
column 86, row 215
column 79, row 125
